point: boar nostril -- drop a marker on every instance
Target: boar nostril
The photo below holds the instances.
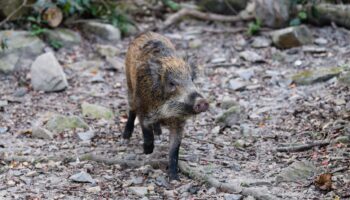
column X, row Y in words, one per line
column 201, row 106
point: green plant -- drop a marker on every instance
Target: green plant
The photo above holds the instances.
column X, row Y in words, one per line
column 254, row 27
column 37, row 30
column 172, row 5
column 302, row 16
column 4, row 44
column 55, row 44
column 107, row 11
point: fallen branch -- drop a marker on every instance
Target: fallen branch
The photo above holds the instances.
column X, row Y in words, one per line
column 227, row 30
column 206, row 141
column 195, row 173
column 302, row 147
column 217, row 65
column 184, row 12
column 13, row 13
column 123, row 162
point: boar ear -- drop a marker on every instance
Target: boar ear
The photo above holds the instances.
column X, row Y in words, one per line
column 154, row 69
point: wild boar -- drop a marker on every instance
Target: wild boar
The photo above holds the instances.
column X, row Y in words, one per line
column 161, row 92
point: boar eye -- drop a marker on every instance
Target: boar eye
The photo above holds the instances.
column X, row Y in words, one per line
column 172, row 85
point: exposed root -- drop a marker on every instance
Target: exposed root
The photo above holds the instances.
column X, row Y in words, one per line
column 302, row 147
column 157, row 163
column 195, row 173
column 203, row 16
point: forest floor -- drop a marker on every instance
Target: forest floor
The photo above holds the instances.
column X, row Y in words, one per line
column 272, row 112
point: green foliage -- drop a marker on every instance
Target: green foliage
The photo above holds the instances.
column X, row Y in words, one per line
column 55, row 44
column 254, row 27
column 172, row 5
column 105, row 10
column 302, row 16
column 4, row 44
column 37, row 30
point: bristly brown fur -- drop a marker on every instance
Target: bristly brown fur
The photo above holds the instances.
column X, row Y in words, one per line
column 160, row 92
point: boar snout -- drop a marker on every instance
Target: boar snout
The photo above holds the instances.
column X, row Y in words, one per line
column 201, row 105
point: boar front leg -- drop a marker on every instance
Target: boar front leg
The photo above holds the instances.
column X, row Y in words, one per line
column 175, row 142
column 148, row 138
column 129, row 128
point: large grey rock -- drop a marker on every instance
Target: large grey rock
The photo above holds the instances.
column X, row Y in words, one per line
column 66, row 36
column 21, row 48
column 261, row 42
column 251, row 56
column 292, row 37
column 102, row 32
column 47, row 74
column 96, row 111
column 233, row 196
column 299, row 171
column 82, row 177
column 343, row 139
column 237, row 85
column 139, row 191
column 246, row 74
column 271, row 13
column 345, row 78
column 85, row 136
column 230, row 117
column 42, row 133
column 59, row 123
column 307, row 77
column 107, row 51
column 3, row 130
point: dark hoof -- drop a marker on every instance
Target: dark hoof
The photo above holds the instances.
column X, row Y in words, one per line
column 125, row 141
column 127, row 134
column 173, row 177
column 148, row 149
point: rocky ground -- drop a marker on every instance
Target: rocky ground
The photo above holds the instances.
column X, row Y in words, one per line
column 261, row 108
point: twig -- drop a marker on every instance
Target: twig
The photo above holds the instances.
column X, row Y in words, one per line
column 206, row 141
column 227, row 30
column 302, row 147
column 339, row 169
column 201, row 15
column 123, row 162
column 217, row 65
column 13, row 13
column 230, row 7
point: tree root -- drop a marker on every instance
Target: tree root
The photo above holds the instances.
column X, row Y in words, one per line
column 184, row 12
column 302, row 147
column 195, row 173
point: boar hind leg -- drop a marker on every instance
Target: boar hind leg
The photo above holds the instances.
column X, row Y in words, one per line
column 148, row 139
column 156, row 129
column 129, row 128
column 175, row 142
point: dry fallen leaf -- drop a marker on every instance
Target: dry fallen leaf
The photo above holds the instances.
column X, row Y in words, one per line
column 324, row 181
